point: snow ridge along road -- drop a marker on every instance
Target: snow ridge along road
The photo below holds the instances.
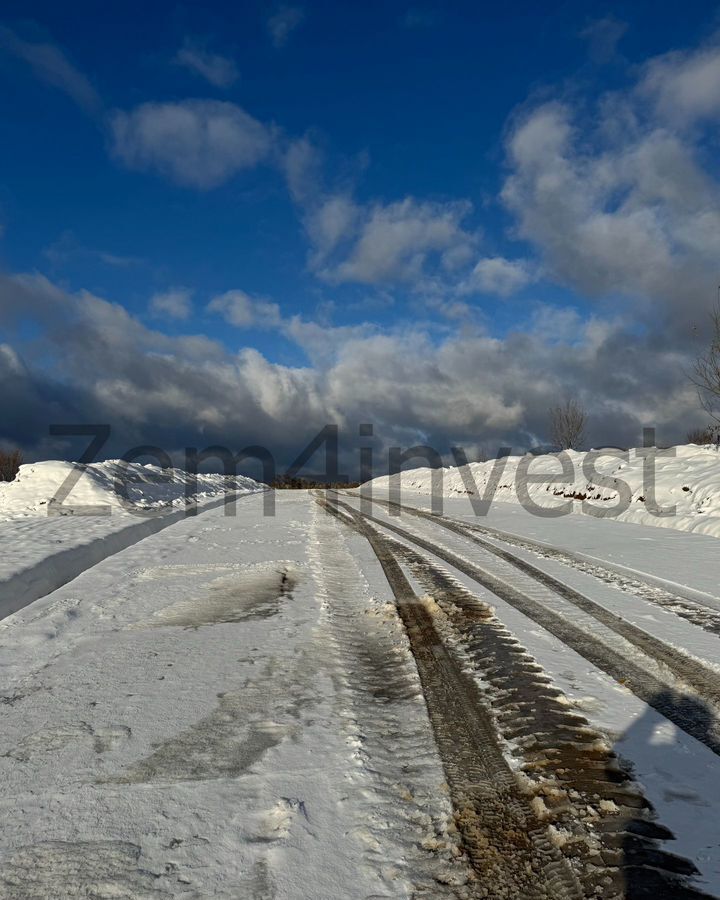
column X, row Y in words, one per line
column 616, row 854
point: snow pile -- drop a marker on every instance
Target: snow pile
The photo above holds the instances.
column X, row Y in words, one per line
column 685, row 486
column 111, row 486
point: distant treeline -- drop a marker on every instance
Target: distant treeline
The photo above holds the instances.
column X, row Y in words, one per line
column 10, row 462
column 295, row 483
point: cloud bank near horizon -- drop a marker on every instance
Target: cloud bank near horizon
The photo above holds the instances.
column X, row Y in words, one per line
column 613, row 197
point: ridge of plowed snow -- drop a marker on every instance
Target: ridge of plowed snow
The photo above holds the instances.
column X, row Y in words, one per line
column 689, row 480
column 113, row 484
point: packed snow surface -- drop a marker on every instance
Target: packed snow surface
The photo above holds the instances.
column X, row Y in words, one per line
column 187, row 719
column 111, row 486
column 230, row 708
column 674, row 488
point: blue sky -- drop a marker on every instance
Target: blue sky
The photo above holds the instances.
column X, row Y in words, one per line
column 438, row 218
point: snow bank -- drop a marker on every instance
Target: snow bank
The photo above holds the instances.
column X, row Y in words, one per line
column 112, row 487
column 47, row 542
column 686, row 485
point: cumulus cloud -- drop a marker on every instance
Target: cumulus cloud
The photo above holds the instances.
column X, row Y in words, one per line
column 243, row 311
column 379, row 243
column 409, row 241
column 628, row 211
column 282, row 23
column 173, row 304
column 197, row 143
column 684, row 86
column 319, row 340
column 496, row 275
column 466, row 388
column 52, row 66
column 220, row 71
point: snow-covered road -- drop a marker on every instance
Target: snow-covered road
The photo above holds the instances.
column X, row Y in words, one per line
column 341, row 702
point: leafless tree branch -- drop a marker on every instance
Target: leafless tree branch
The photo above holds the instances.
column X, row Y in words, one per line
column 567, row 425
column 706, row 371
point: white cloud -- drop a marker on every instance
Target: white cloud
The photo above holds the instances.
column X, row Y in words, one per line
column 320, row 339
column 461, row 388
column 420, row 243
column 220, row 71
column 381, row 243
column 684, row 86
column 301, row 166
column 243, row 311
column 51, row 65
column 334, row 220
column 197, row 143
column 283, row 22
column 496, row 275
column 174, row 304
column 629, row 211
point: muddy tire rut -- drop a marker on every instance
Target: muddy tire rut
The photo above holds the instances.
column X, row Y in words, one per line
column 692, row 611
column 656, row 673
column 565, row 819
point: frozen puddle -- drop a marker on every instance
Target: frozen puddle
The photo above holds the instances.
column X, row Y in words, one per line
column 255, row 592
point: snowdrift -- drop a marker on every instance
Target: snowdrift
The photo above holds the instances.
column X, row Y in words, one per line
column 114, row 486
column 686, row 479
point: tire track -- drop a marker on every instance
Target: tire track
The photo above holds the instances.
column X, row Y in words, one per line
column 691, row 610
column 693, row 672
column 658, row 692
column 575, row 796
column 603, row 821
column 404, row 822
column 508, row 845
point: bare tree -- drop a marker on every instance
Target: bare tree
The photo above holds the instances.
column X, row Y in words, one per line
column 706, row 372
column 567, row 425
column 700, row 436
column 10, row 462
